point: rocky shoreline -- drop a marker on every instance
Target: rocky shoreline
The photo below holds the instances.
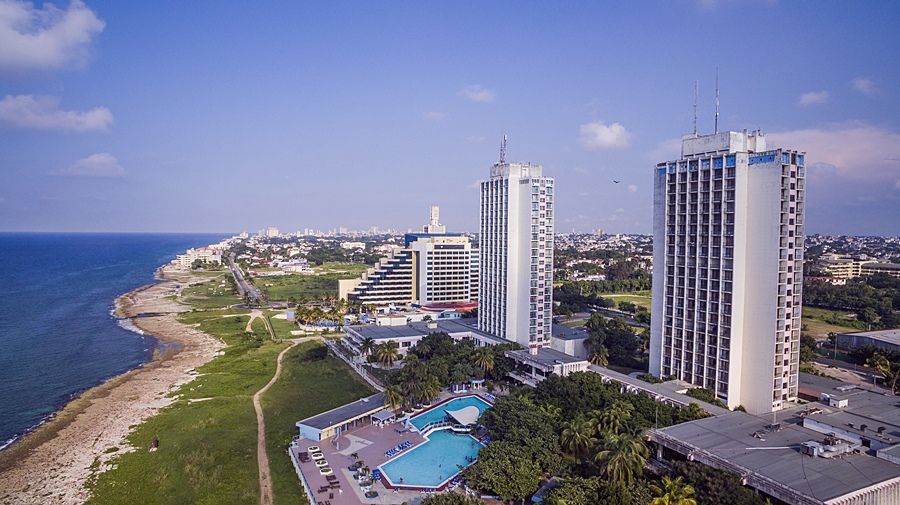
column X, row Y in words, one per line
column 52, row 464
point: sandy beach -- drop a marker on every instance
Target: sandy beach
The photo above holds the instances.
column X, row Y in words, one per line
column 52, row 464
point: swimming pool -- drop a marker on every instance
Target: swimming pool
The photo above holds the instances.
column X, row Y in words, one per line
column 439, row 412
column 433, row 463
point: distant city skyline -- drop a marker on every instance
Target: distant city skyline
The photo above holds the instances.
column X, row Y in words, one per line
column 210, row 117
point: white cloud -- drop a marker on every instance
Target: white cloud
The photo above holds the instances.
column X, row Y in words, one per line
column 852, row 150
column 864, row 86
column 813, row 98
column 632, row 188
column 579, row 170
column 433, row 115
column 477, row 93
column 95, row 165
column 3, row 199
column 897, row 184
column 669, row 149
column 599, row 135
column 43, row 113
column 45, row 37
column 476, row 139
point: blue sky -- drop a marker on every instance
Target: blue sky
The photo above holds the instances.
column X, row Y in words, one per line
column 225, row 116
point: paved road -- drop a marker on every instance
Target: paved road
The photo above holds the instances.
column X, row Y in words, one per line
column 243, row 285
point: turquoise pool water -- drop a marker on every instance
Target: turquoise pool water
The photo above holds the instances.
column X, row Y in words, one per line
column 439, row 413
column 434, row 462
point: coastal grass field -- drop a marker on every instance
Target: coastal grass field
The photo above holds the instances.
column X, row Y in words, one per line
column 207, row 437
column 210, row 294
column 311, row 382
column 322, row 283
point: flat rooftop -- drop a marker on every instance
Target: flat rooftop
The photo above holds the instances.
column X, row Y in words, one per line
column 451, row 326
column 889, row 336
column 546, row 356
column 345, row 412
column 775, row 456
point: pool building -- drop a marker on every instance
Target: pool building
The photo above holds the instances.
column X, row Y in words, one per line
column 353, row 455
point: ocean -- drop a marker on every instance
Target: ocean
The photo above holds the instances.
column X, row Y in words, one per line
column 58, row 336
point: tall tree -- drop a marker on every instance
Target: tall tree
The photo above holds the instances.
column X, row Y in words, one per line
column 387, row 353
column 578, row 436
column 672, row 492
column 622, row 457
column 484, row 358
column 393, row 397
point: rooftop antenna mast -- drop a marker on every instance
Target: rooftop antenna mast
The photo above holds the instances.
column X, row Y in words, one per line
column 696, row 94
column 717, row 99
column 503, row 150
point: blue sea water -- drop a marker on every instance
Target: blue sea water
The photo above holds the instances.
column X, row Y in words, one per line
column 57, row 334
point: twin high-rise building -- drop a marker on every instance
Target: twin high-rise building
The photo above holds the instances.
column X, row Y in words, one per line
column 516, row 286
column 728, row 268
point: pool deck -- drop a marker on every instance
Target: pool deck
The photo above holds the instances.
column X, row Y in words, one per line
column 369, row 443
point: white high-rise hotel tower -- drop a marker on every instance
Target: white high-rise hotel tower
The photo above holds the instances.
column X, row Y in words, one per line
column 515, row 298
column 728, row 268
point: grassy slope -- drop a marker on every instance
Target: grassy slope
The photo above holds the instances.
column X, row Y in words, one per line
column 210, row 294
column 310, row 383
column 207, row 451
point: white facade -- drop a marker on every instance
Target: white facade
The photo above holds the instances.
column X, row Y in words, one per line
column 516, row 284
column 431, row 267
column 444, row 269
column 728, row 256
column 434, row 223
column 207, row 254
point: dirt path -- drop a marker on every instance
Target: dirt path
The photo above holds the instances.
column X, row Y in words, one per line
column 253, row 315
column 262, row 455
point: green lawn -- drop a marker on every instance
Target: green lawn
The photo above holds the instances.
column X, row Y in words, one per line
column 820, row 322
column 210, row 294
column 315, row 286
column 641, row 298
column 207, row 449
column 311, row 382
column 577, row 323
column 282, row 327
column 350, row 269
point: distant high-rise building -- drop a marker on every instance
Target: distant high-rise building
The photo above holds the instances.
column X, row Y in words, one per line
column 432, row 267
column 515, row 299
column 434, row 224
column 728, row 268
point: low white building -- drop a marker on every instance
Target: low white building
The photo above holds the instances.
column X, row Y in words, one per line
column 207, row 254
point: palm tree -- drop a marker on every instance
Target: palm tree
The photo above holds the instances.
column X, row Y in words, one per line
column 613, row 419
column 387, row 353
column 578, row 436
column 484, row 358
column 672, row 492
column 621, row 457
column 600, row 356
column 410, row 360
column 393, row 397
column 367, row 345
column 431, row 388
